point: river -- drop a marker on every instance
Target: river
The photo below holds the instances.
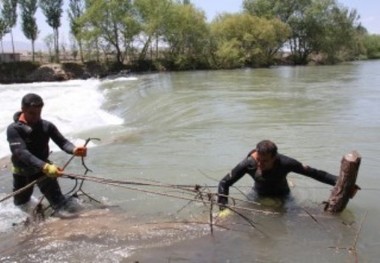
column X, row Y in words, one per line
column 188, row 128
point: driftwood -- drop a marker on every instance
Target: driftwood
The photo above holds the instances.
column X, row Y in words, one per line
column 345, row 187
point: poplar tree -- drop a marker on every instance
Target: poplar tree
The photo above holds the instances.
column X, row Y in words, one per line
column 52, row 9
column 75, row 11
column 9, row 13
column 28, row 23
column 3, row 31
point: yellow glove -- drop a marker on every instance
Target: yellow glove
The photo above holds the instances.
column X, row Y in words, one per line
column 80, row 151
column 51, row 170
column 224, row 213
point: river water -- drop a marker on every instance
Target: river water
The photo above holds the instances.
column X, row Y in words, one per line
column 190, row 128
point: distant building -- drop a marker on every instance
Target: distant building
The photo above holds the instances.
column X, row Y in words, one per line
column 9, row 57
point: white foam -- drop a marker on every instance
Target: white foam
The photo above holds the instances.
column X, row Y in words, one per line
column 120, row 79
column 10, row 215
column 73, row 106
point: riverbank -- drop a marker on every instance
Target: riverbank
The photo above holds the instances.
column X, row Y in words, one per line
column 28, row 72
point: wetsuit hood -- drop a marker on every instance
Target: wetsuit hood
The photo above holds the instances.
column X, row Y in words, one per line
column 16, row 116
column 22, row 125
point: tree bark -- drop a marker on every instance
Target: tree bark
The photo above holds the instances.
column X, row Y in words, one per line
column 345, row 187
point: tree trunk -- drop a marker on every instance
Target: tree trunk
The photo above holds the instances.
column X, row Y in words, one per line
column 13, row 47
column 345, row 186
column 81, row 51
column 33, row 52
column 56, row 45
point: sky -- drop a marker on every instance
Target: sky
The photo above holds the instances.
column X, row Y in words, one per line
column 369, row 11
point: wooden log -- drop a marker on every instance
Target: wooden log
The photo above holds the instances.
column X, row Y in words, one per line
column 345, row 187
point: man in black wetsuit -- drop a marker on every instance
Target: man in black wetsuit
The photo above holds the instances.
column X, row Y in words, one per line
column 28, row 138
column 269, row 170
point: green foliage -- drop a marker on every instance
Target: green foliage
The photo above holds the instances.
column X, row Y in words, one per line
column 337, row 35
column 372, row 46
column 175, row 35
column 3, row 28
column 319, row 26
column 246, row 40
column 281, row 9
column 76, row 10
column 185, row 33
column 9, row 12
column 52, row 10
column 29, row 25
column 230, row 55
column 8, row 17
column 151, row 21
column 110, row 24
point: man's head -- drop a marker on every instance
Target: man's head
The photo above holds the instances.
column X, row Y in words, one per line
column 31, row 105
column 266, row 152
column 31, row 100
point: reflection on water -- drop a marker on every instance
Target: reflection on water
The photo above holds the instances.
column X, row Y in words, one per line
column 192, row 128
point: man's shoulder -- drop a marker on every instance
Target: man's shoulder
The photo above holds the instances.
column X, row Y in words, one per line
column 286, row 160
column 18, row 127
column 46, row 123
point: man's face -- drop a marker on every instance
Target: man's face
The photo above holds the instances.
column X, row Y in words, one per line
column 265, row 161
column 32, row 114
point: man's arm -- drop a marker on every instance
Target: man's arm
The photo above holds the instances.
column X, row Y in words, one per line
column 236, row 173
column 59, row 139
column 19, row 150
column 316, row 174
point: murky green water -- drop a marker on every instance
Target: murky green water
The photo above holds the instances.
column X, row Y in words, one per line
column 192, row 128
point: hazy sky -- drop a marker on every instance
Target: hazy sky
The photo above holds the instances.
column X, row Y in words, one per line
column 369, row 11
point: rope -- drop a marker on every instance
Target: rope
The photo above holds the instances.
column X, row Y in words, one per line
column 21, row 189
column 123, row 184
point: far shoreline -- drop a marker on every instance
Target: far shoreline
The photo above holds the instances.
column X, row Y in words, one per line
column 24, row 72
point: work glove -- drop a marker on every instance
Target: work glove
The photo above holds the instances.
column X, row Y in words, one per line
column 80, row 151
column 224, row 213
column 51, row 170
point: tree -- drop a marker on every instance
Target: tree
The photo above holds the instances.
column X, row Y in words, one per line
column 49, row 42
column 151, row 21
column 76, row 10
column 316, row 25
column 110, row 23
column 246, row 40
column 9, row 14
column 372, row 46
column 29, row 25
column 337, row 36
column 74, row 47
column 281, row 9
column 186, row 35
column 52, row 10
column 3, row 31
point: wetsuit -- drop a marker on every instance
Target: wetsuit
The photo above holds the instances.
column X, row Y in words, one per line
column 272, row 182
column 30, row 151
